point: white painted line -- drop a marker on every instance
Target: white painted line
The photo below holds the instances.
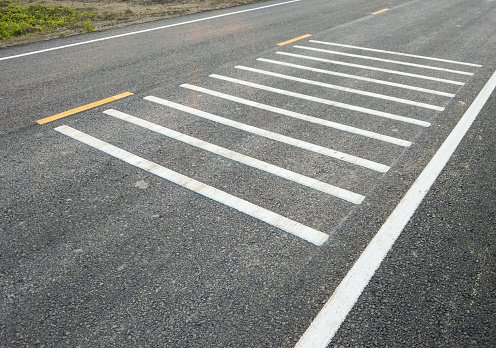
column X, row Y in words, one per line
column 330, row 318
column 274, row 136
column 396, row 72
column 146, row 30
column 325, row 101
column 303, row 117
column 343, row 89
column 391, row 61
column 356, row 77
column 309, row 234
column 235, row 156
column 397, row 53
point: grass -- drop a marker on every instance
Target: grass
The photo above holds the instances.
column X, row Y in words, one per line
column 88, row 26
column 24, row 21
column 17, row 19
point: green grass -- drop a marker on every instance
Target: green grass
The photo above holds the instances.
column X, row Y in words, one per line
column 88, row 26
column 17, row 20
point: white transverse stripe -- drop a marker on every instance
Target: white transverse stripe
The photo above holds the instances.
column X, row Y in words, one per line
column 330, row 318
column 361, row 78
column 274, row 136
column 309, row 234
column 303, row 117
column 147, row 30
column 390, row 61
column 235, row 156
column 396, row 72
column 397, row 53
column 344, row 89
column 325, row 101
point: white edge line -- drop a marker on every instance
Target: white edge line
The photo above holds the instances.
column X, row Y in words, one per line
column 307, row 233
column 397, row 53
column 240, row 158
column 325, row 325
column 145, row 30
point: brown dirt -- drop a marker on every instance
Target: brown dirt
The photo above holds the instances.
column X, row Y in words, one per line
column 118, row 13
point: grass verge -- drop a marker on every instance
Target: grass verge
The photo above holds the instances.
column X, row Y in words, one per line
column 24, row 21
column 18, row 20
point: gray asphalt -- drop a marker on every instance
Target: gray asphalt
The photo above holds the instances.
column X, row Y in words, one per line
column 96, row 252
column 436, row 287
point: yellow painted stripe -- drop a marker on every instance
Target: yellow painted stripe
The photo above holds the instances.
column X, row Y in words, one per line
column 83, row 108
column 384, row 10
column 293, row 40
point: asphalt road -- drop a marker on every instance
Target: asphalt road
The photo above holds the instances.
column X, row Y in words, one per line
column 303, row 150
column 436, row 288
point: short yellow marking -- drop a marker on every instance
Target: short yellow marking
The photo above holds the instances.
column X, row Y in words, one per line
column 293, row 40
column 83, row 108
column 384, row 10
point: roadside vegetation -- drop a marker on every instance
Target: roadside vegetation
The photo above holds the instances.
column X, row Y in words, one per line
column 23, row 21
column 17, row 19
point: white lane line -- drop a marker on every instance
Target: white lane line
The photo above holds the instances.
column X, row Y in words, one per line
column 235, row 156
column 397, row 53
column 325, row 101
column 396, row 72
column 146, row 30
column 330, row 318
column 302, row 117
column 343, row 89
column 274, row 136
column 356, row 77
column 390, row 61
column 309, row 234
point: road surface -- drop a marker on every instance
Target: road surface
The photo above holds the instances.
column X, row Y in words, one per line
column 211, row 180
